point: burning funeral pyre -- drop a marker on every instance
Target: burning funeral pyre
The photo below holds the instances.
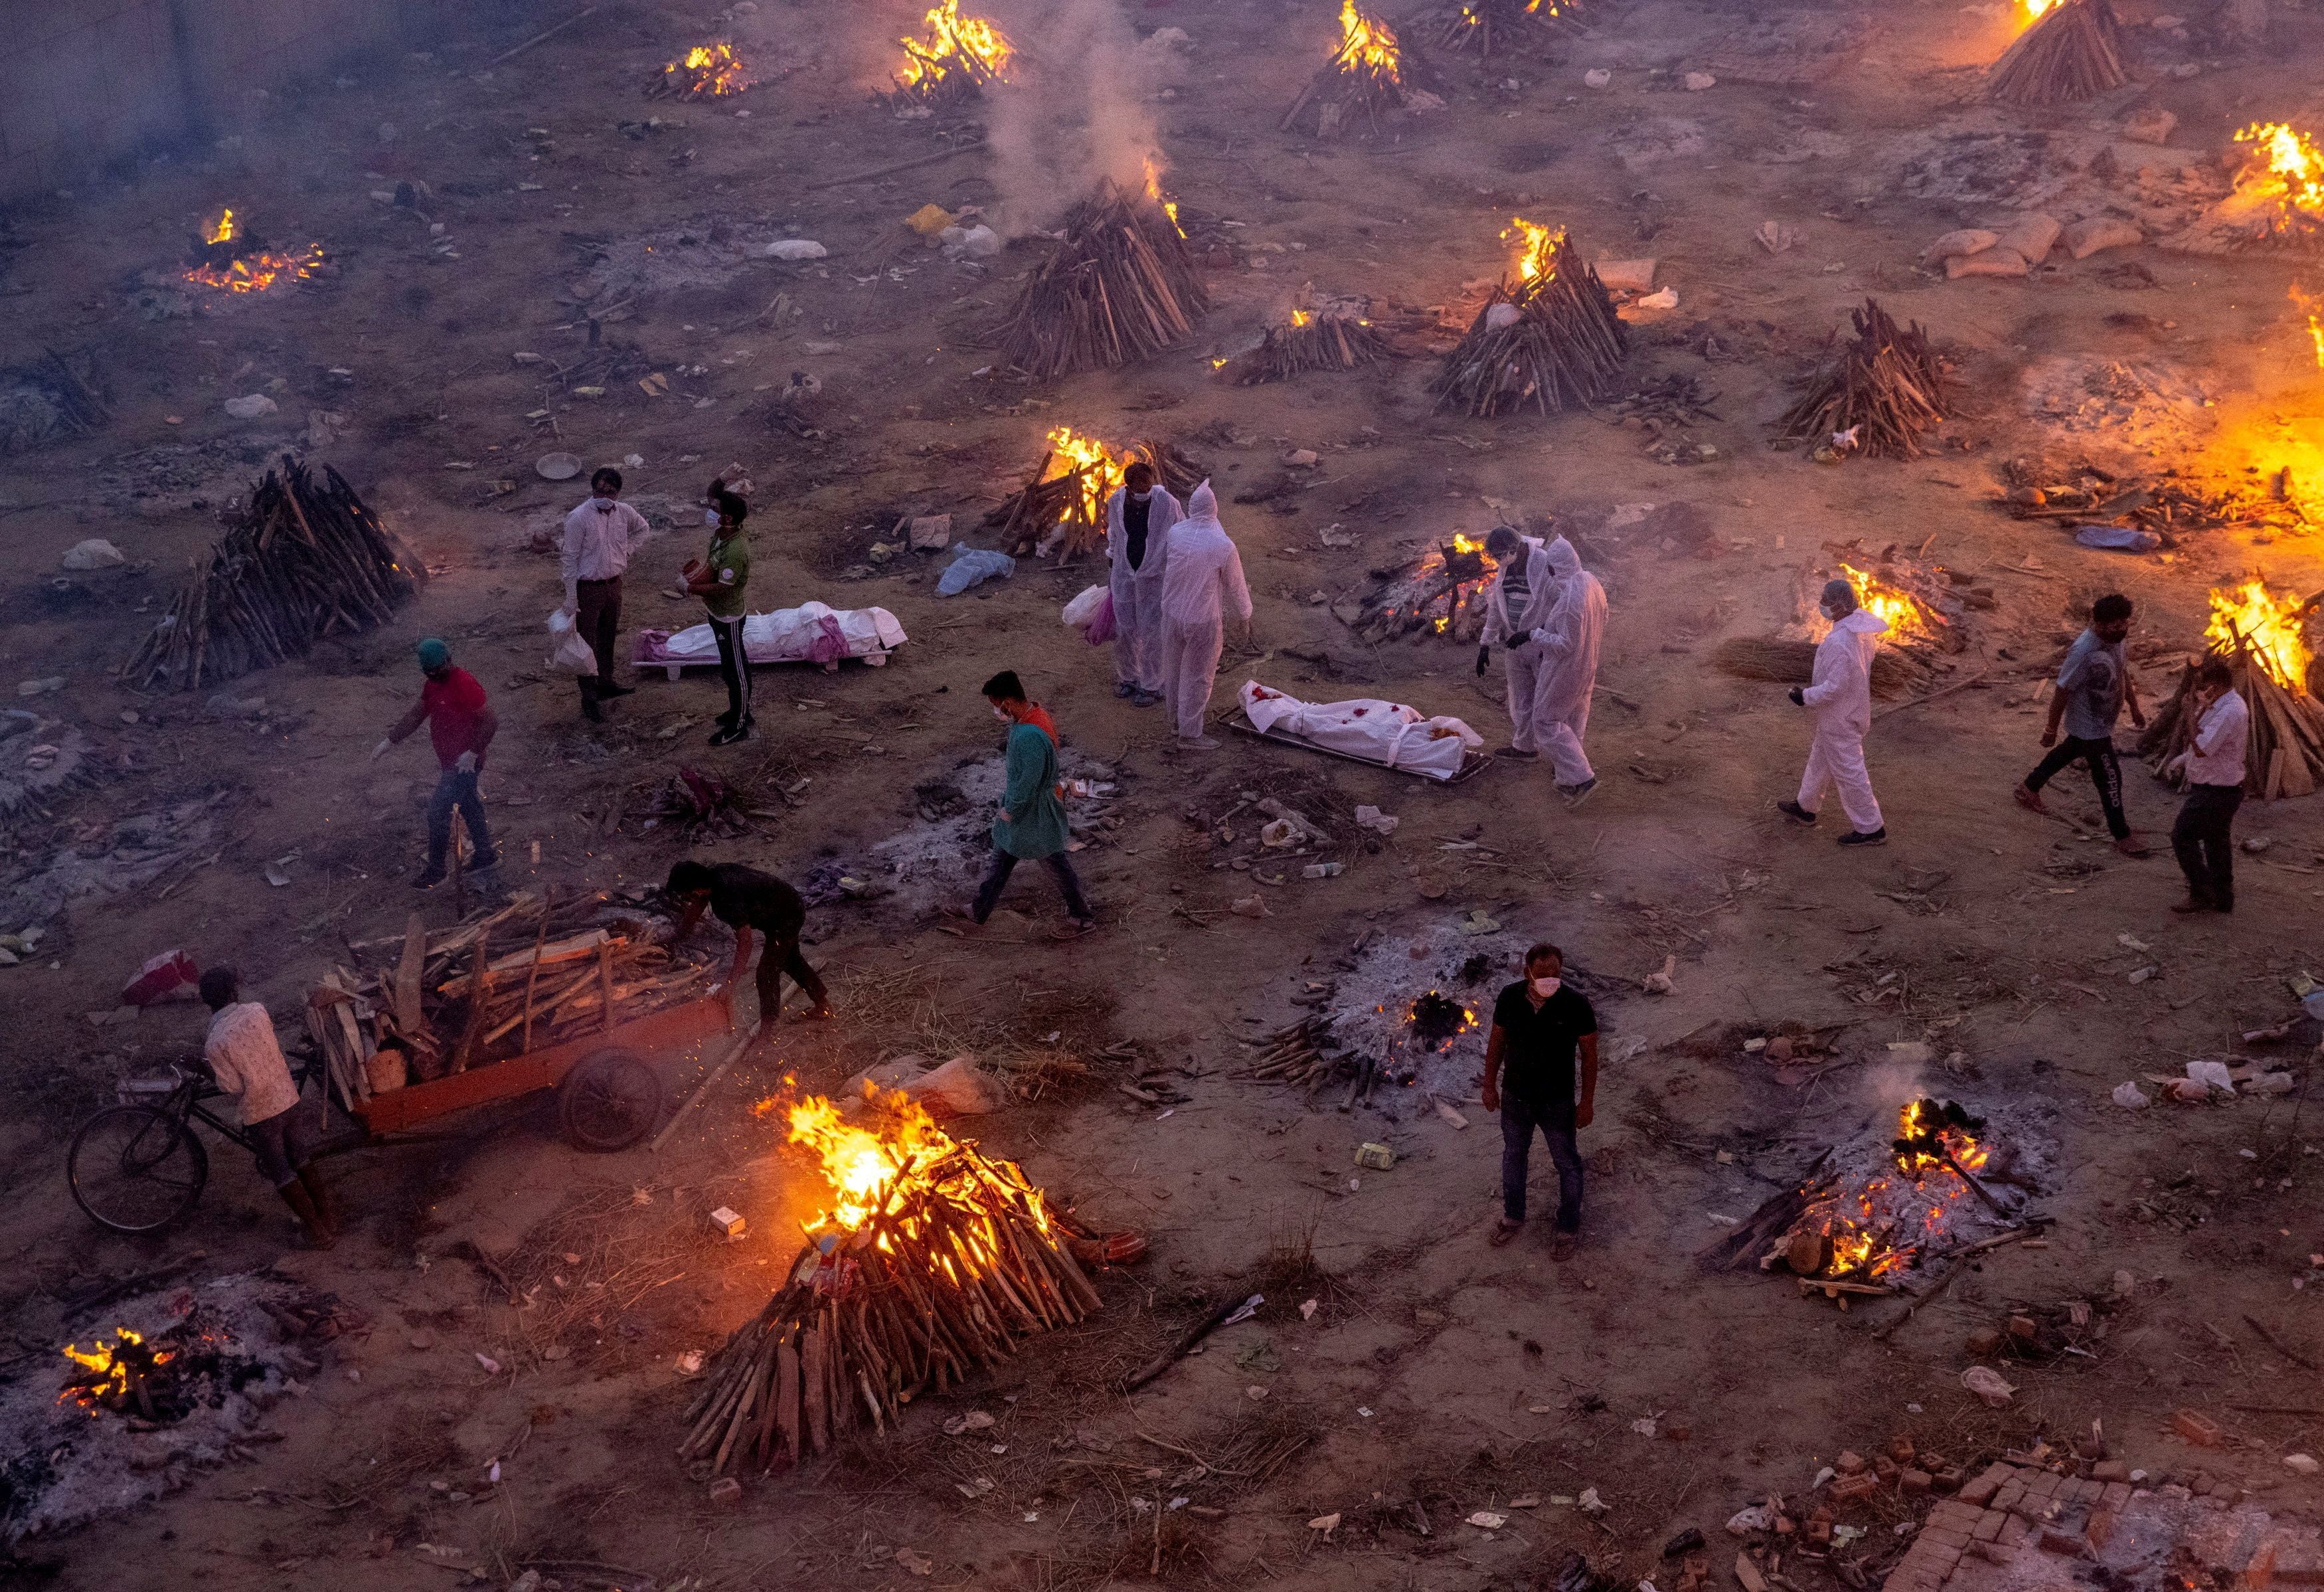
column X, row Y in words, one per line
column 1369, row 75
column 228, row 257
column 2072, row 52
column 2262, row 635
column 2277, row 202
column 1859, row 1220
column 1440, row 595
column 2071, row 493
column 709, row 71
column 1926, row 608
column 1884, row 390
column 1490, row 28
column 1121, row 287
column 954, row 62
column 1311, row 342
column 1548, row 341
column 931, row 1264
column 1063, row 503
column 302, row 560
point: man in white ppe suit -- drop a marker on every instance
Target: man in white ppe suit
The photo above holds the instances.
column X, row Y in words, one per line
column 1203, row 578
column 1138, row 521
column 1548, row 615
column 1842, row 700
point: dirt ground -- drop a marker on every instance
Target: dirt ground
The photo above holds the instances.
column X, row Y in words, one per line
column 1432, row 1369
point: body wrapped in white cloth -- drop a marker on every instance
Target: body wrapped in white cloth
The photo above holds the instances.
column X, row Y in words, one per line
column 1386, row 733
column 809, row 634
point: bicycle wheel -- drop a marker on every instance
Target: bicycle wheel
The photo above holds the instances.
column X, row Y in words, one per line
column 137, row 1170
column 609, row 1101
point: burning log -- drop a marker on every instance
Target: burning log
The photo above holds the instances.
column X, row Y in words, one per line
column 709, row 71
column 228, row 256
column 935, row 1264
column 1490, row 28
column 2261, row 636
column 1073, row 499
column 2277, row 202
column 1311, row 342
column 1886, row 389
column 1550, row 342
column 1122, row 287
column 1366, row 77
column 302, row 562
column 2081, row 493
column 953, row 64
column 2073, row 52
column 1407, row 604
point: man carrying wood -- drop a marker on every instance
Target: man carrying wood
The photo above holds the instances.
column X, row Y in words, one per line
column 245, row 1059
column 746, row 901
column 1138, row 521
column 594, row 554
column 1205, row 574
column 462, row 724
column 1840, row 697
column 2094, row 686
column 2202, row 838
column 1540, row 1029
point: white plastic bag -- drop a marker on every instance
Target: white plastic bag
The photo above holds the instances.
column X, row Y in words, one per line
column 567, row 650
column 2130, row 1097
column 1084, row 609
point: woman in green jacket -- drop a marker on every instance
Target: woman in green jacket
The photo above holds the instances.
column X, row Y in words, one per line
column 1032, row 822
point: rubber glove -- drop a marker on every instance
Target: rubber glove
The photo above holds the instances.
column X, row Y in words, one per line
column 1799, row 696
column 382, row 749
column 1483, row 652
column 465, row 764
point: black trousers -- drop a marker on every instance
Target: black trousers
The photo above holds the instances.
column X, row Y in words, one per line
column 2106, row 773
column 776, row 958
column 2205, row 847
column 733, row 668
column 599, row 618
column 1005, row 864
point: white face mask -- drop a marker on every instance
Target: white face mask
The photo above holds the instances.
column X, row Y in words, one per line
column 710, row 518
column 1143, row 496
column 1546, row 987
column 602, row 504
column 998, row 713
column 1829, row 616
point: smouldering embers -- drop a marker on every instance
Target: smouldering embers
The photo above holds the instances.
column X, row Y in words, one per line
column 1881, row 1223
column 227, row 257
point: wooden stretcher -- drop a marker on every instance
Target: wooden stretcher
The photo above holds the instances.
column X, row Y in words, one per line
column 1471, row 763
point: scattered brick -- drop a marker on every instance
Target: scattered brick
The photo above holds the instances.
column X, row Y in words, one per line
column 1988, row 1529
column 2111, row 1470
column 1950, row 1479
column 2024, row 1327
column 2068, row 1544
column 2199, row 1430
column 1859, row 1486
column 725, row 1490
column 1883, row 1468
column 2100, row 1529
column 1900, row 1449
column 2117, row 1495
column 1849, row 1462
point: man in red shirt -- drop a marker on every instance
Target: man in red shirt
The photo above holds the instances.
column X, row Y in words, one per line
column 462, row 724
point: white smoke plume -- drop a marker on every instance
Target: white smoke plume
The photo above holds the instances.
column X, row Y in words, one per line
column 1073, row 112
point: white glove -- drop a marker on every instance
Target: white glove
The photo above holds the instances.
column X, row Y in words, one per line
column 1540, row 636
column 382, row 749
column 465, row 764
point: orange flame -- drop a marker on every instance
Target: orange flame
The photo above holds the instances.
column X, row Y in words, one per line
column 2269, row 624
column 254, row 273
column 1920, row 1122
column 1909, row 619
column 707, row 72
column 1537, row 248
column 1300, row 318
column 2295, row 168
column 105, row 1357
column 1153, row 192
column 223, row 232
column 951, row 38
column 1366, row 44
column 859, row 1164
column 2035, row 9
column 1099, row 466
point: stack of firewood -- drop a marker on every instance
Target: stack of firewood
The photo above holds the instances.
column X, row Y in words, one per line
column 1302, row 1053
column 1311, row 342
column 1491, row 28
column 302, row 562
column 960, row 1264
column 1546, row 344
column 2284, row 755
column 51, row 398
column 1122, row 286
column 1370, row 75
column 2075, row 53
column 1884, row 390
column 1076, row 499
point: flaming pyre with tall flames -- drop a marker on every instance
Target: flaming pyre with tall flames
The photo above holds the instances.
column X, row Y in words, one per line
column 2072, row 52
column 228, row 257
column 2262, row 634
column 1369, row 73
column 1120, row 286
column 1927, row 608
column 952, row 61
column 1547, row 340
column 708, row 71
column 932, row 1263
column 1062, row 505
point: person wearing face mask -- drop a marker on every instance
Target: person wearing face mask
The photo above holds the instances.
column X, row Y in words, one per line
column 461, row 722
column 1204, row 575
column 1138, row 521
column 1568, row 670
column 1840, row 697
column 1518, row 605
column 1543, row 1034
column 599, row 538
column 721, row 578
column 1031, row 824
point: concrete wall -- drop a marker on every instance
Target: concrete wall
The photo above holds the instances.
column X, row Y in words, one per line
column 84, row 82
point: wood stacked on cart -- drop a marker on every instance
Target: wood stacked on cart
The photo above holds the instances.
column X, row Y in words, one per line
column 304, row 560
column 1887, row 387
column 2073, row 54
column 2284, row 755
column 1076, row 499
column 1319, row 342
column 548, row 973
column 1550, row 343
column 1122, row 287
column 959, row 1266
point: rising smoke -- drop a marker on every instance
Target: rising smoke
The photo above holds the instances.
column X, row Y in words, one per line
column 1074, row 111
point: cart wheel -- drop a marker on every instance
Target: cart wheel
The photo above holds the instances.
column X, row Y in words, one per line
column 609, row 1101
column 137, row 1170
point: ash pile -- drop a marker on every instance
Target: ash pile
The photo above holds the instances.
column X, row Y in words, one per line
column 175, row 1384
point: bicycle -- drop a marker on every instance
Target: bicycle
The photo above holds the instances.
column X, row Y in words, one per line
column 138, row 1166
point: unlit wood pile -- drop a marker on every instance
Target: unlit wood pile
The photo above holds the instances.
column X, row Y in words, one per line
column 46, row 398
column 1548, row 344
column 1488, row 28
column 304, row 561
column 1887, row 387
column 954, row 1272
column 1323, row 342
column 546, row 974
column 1364, row 79
column 1792, row 662
column 2073, row 53
column 1302, row 1053
column 1076, row 499
column 1122, row 287
column 2284, row 755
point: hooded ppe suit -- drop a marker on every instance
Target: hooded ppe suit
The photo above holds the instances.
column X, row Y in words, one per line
column 1205, row 574
column 1137, row 591
column 1842, row 700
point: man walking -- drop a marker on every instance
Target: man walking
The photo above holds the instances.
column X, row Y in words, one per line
column 1540, row 1029
column 721, row 578
column 1518, row 607
column 2201, row 837
column 599, row 538
column 461, row 724
column 1031, row 825
column 1138, row 521
column 245, row 1059
column 1569, row 673
column 1204, row 573
column 750, row 902
column 2094, row 685
column 1841, row 700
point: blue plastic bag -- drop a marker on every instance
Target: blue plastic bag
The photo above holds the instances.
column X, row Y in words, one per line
column 2117, row 538
column 972, row 566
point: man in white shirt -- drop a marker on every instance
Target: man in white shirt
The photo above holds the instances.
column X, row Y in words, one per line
column 2201, row 836
column 599, row 538
column 1202, row 576
column 1840, row 697
column 244, row 1056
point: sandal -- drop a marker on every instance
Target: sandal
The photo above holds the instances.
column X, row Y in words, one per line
column 1503, row 1231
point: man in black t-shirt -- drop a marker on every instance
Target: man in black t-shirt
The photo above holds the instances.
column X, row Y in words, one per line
column 745, row 900
column 1540, row 1028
